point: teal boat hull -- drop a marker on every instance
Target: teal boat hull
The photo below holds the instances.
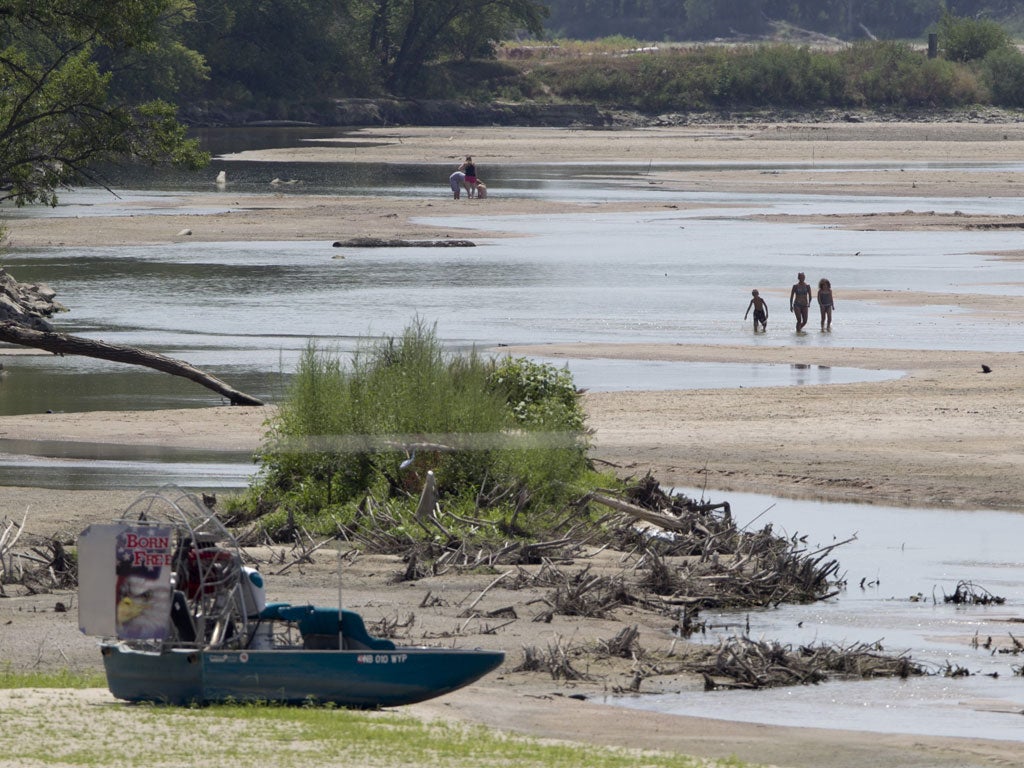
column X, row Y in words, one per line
column 347, row 678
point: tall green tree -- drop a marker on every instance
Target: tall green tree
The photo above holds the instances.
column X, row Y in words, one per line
column 59, row 114
column 970, row 39
column 707, row 18
column 161, row 66
column 287, row 50
column 404, row 35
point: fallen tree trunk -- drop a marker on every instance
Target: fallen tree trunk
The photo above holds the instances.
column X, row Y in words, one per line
column 63, row 344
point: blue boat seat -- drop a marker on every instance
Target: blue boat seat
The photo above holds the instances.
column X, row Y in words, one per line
column 319, row 627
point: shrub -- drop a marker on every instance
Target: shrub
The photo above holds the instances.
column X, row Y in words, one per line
column 540, row 395
column 892, row 73
column 783, row 76
column 1003, row 73
column 970, row 39
column 493, row 433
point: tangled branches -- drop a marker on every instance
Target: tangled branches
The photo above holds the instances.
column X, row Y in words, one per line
column 740, row 662
column 556, row 659
column 714, row 563
column 966, row 593
column 39, row 568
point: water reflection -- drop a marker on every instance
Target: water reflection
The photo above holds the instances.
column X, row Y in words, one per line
column 86, row 474
column 605, row 375
column 70, row 384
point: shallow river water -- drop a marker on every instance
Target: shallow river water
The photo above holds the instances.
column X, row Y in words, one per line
column 898, row 569
column 245, row 311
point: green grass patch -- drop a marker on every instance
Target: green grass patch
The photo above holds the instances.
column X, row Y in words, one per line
column 10, row 678
column 91, row 733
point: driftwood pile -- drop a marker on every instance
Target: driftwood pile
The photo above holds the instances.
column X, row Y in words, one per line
column 683, row 555
column 967, row 593
column 679, row 555
column 36, row 568
column 576, row 593
column 556, row 660
column 693, row 555
column 740, row 662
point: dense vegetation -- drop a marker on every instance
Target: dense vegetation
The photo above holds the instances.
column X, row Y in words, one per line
column 666, row 20
column 267, row 50
column 503, row 439
column 978, row 68
column 276, row 53
column 86, row 81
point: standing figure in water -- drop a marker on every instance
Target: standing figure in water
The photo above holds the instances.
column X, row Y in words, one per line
column 825, row 303
column 800, row 301
column 469, row 168
column 458, row 182
column 760, row 307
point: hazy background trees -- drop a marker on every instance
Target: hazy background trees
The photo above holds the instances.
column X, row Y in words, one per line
column 86, row 80
column 307, row 49
column 663, row 20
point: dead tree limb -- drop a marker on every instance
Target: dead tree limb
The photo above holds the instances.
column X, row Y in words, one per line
column 665, row 522
column 63, row 344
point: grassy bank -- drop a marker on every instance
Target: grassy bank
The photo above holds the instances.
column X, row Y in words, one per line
column 976, row 63
column 70, row 724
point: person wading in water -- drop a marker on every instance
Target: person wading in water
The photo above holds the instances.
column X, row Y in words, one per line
column 800, row 301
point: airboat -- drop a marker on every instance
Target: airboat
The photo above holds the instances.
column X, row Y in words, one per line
column 184, row 621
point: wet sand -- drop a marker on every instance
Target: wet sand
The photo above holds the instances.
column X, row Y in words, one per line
column 944, row 434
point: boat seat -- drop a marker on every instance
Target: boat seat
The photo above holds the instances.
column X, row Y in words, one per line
column 181, row 617
column 319, row 627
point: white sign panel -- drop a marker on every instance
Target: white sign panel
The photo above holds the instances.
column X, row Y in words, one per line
column 125, row 581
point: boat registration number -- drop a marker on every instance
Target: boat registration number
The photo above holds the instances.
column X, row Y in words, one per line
column 382, row 658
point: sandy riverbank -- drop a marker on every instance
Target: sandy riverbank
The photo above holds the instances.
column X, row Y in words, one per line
column 941, row 434
column 914, row 160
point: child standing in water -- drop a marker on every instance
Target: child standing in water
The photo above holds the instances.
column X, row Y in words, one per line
column 760, row 308
column 825, row 303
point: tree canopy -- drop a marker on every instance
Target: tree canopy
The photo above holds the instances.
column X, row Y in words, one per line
column 315, row 49
column 406, row 34
column 60, row 62
column 87, row 81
